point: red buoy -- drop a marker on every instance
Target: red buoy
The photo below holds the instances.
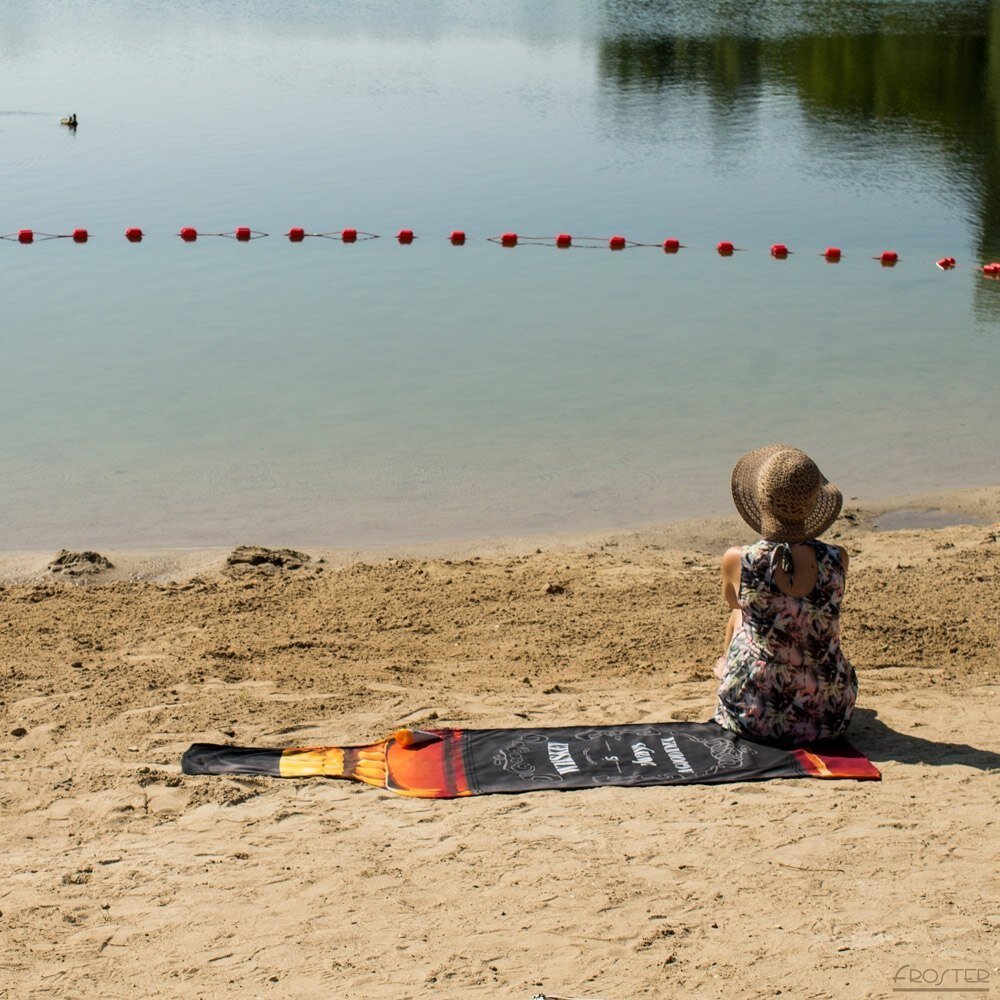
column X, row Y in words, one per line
column 779, row 250
column 832, row 253
column 671, row 245
column 617, row 243
column 993, row 270
column 457, row 237
column 564, row 240
column 405, row 236
column 243, row 233
column 349, row 235
column 296, row 234
column 80, row 236
column 189, row 234
column 888, row 257
column 508, row 240
column 133, row 234
column 25, row 236
column 946, row 263
column 725, row 248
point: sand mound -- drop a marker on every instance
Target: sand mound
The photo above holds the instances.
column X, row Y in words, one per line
column 79, row 563
column 255, row 558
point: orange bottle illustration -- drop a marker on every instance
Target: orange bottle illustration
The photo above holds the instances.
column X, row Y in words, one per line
column 415, row 763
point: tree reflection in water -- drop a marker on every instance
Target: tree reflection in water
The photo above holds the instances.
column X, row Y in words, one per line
column 924, row 74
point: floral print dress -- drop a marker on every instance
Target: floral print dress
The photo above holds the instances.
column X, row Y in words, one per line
column 786, row 679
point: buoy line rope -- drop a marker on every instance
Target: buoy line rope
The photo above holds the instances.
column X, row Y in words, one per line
column 563, row 241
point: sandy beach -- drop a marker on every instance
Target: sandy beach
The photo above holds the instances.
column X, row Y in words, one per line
column 122, row 877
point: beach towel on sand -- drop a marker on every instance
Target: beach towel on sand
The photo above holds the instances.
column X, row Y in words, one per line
column 448, row 763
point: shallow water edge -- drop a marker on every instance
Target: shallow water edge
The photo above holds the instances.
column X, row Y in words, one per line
column 699, row 540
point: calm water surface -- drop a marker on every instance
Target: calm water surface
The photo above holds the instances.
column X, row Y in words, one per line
column 323, row 393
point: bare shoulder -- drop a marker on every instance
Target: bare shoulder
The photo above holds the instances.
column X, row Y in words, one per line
column 731, row 573
column 731, row 560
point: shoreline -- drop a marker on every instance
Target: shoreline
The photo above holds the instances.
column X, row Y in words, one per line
column 708, row 536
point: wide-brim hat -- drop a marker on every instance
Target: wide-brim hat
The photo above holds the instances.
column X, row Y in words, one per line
column 782, row 495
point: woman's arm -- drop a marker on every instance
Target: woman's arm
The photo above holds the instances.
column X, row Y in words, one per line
column 730, row 594
column 842, row 552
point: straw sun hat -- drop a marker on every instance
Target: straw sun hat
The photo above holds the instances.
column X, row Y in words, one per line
column 781, row 494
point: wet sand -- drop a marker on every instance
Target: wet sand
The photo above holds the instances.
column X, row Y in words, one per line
column 121, row 877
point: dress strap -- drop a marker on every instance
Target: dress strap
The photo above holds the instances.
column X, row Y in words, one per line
column 781, row 555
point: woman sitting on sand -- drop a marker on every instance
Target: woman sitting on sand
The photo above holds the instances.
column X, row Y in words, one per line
column 784, row 677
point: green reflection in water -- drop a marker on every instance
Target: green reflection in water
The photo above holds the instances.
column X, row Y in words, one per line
column 924, row 74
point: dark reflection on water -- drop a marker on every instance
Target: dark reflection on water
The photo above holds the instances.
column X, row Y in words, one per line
column 788, row 18
column 923, row 74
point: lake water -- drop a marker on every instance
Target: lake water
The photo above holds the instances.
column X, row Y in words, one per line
column 166, row 393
